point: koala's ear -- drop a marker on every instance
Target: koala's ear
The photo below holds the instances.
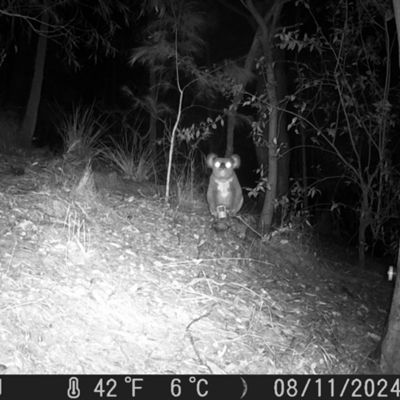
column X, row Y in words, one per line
column 236, row 161
column 210, row 160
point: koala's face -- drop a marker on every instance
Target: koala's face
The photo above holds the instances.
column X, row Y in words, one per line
column 223, row 167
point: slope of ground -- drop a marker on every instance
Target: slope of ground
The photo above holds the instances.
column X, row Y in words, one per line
column 99, row 275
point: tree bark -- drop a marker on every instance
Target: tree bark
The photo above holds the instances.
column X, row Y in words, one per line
column 27, row 130
column 267, row 213
column 390, row 354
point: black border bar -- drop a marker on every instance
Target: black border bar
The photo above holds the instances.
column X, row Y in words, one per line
column 188, row 387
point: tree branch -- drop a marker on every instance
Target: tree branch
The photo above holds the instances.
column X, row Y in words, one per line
column 237, row 10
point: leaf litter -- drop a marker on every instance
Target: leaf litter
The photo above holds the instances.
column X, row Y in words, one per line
column 98, row 275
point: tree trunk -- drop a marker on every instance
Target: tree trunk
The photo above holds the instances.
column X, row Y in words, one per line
column 248, row 67
column 27, row 130
column 282, row 135
column 390, row 352
column 390, row 355
column 396, row 7
column 267, row 26
column 304, row 168
column 230, row 129
column 267, row 213
column 361, row 242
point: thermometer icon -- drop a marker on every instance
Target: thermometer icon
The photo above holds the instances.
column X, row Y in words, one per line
column 73, row 389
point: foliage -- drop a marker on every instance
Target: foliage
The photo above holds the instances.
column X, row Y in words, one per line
column 72, row 24
column 291, row 207
column 192, row 135
column 343, row 101
column 171, row 43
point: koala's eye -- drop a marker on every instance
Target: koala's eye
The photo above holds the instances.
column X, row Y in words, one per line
column 217, row 164
column 228, row 164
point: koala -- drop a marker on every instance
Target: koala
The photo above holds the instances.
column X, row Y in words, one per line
column 224, row 188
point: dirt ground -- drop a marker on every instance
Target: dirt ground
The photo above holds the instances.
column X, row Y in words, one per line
column 98, row 275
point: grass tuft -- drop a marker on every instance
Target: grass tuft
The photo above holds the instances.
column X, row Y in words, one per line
column 81, row 132
column 135, row 164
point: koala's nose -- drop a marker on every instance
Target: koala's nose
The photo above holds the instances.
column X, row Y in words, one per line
column 223, row 166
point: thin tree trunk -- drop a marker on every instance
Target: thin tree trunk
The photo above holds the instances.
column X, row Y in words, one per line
column 29, row 123
column 282, row 134
column 364, row 223
column 153, row 117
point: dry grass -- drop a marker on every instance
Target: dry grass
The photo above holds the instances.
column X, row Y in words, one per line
column 133, row 163
column 189, row 183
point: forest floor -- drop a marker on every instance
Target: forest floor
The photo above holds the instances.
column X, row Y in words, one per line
column 99, row 276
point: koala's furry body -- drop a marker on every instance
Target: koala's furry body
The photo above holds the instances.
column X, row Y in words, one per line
column 224, row 187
